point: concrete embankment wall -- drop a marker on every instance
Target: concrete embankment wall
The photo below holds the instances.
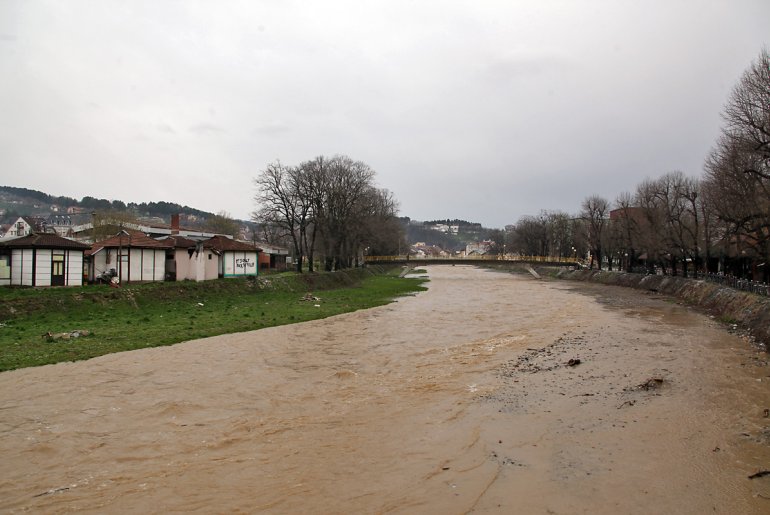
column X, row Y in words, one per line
column 751, row 312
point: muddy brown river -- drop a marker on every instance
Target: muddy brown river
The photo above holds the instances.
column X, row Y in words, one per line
column 459, row 399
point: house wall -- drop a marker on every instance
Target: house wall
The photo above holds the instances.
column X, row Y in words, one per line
column 145, row 265
column 138, row 264
column 205, row 265
column 99, row 263
column 185, row 265
column 21, row 267
column 241, row 263
column 19, row 228
column 5, row 269
column 264, row 261
column 32, row 267
column 73, row 268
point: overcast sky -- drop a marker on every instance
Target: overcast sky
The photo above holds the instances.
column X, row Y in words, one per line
column 484, row 111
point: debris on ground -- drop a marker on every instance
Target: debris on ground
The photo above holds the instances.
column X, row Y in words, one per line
column 650, row 384
column 627, row 403
column 309, row 297
column 573, row 362
column 760, row 474
column 77, row 333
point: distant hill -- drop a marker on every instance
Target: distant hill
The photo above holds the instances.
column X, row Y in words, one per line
column 15, row 202
column 431, row 234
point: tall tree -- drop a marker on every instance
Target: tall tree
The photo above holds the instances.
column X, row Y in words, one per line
column 738, row 168
column 594, row 212
column 276, row 200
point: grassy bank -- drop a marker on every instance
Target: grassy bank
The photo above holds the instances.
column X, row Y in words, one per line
column 96, row 320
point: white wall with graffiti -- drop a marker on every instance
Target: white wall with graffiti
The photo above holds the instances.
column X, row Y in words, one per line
column 238, row 263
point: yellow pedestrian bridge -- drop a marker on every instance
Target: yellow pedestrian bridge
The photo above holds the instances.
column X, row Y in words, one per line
column 472, row 260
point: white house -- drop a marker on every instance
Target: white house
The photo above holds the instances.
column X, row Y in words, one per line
column 23, row 226
column 132, row 255
column 41, row 260
column 190, row 261
column 235, row 258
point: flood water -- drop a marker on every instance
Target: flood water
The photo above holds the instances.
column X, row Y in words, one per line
column 459, row 399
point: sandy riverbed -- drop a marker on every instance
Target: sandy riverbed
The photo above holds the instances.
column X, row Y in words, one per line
column 458, row 399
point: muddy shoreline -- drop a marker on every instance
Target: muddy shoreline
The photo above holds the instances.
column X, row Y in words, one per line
column 751, row 312
column 489, row 393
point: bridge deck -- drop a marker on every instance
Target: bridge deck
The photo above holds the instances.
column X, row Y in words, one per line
column 473, row 260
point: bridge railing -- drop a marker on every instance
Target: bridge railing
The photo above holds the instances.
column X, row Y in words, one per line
column 496, row 257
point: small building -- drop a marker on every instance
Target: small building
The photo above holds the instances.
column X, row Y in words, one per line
column 235, row 258
column 41, row 260
column 182, row 261
column 131, row 256
column 272, row 257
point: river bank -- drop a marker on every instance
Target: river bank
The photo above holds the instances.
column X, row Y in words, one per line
column 749, row 311
column 44, row 326
column 487, row 393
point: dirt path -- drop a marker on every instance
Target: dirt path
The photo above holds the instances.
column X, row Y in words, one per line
column 457, row 400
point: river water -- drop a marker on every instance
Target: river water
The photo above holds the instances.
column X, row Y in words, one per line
column 459, row 399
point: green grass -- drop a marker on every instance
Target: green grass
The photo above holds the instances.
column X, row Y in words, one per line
column 166, row 313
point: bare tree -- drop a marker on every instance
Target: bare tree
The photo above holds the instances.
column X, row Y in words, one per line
column 276, row 199
column 594, row 212
column 626, row 229
column 332, row 201
column 529, row 236
column 738, row 168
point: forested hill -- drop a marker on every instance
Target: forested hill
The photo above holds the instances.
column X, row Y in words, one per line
column 15, row 202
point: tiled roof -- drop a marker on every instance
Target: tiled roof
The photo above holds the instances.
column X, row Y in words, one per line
column 131, row 238
column 223, row 243
column 43, row 240
column 35, row 222
column 180, row 242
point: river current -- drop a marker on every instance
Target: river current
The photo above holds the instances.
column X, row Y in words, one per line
column 488, row 393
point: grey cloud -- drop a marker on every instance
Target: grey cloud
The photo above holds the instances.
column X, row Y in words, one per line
column 272, row 129
column 164, row 127
column 480, row 110
column 207, row 129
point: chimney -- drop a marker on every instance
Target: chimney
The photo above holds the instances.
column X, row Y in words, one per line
column 175, row 224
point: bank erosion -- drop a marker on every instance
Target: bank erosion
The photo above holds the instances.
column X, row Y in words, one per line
column 748, row 311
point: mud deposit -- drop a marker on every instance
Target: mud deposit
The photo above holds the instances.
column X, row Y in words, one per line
column 489, row 393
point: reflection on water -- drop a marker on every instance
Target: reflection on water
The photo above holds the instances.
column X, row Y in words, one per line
column 457, row 399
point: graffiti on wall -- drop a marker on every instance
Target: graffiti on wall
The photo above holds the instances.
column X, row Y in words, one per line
column 245, row 263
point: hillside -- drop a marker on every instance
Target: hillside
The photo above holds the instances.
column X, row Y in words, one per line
column 15, row 202
column 431, row 233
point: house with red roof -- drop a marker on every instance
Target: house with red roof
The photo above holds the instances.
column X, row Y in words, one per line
column 131, row 256
column 234, row 258
column 41, row 260
column 218, row 256
column 181, row 262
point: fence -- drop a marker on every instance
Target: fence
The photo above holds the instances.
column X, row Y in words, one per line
column 484, row 257
column 757, row 287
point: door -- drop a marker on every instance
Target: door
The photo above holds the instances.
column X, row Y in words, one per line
column 57, row 268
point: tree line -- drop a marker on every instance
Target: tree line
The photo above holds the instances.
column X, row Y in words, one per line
column 719, row 222
column 327, row 209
